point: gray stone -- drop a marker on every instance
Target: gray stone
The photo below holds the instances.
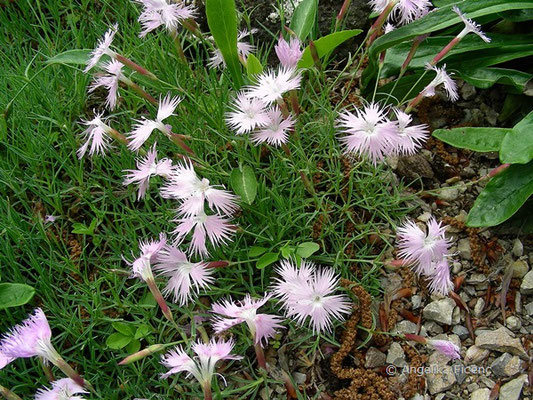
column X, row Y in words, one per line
column 459, row 370
column 463, row 247
column 468, row 91
column 474, row 355
column 479, row 307
column 406, row 327
column 506, row 365
column 518, row 302
column 456, row 316
column 441, row 381
column 460, row 331
column 500, row 340
column 528, row 309
column 440, row 311
column 527, row 283
column 416, row 301
column 457, row 267
column 480, row 394
column 448, row 193
column 476, row 279
column 512, row 389
column 513, row 323
column 518, row 248
column 396, row 356
column 374, row 358
column 520, row 268
column 432, row 327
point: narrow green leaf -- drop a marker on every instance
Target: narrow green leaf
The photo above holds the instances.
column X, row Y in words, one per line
column 476, row 139
column 307, row 249
column 124, row 328
column 266, row 260
column 256, row 251
column 75, row 57
column 244, row 183
column 503, row 196
column 118, row 341
column 222, row 21
column 15, row 294
column 326, row 45
column 517, row 147
column 303, row 18
column 253, row 66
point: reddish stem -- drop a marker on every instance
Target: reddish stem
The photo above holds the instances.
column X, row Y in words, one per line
column 160, row 299
column 217, row 264
column 412, row 52
column 445, row 50
column 136, row 67
column 342, row 12
column 260, row 355
column 499, row 169
column 374, row 30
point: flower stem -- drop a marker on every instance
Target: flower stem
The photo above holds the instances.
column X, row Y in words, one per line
column 140, row 91
column 207, row 392
column 159, row 299
column 445, row 50
column 179, row 48
column 342, row 13
column 260, row 355
column 136, row 67
column 71, row 373
column 373, row 32
column 47, row 371
column 8, row 394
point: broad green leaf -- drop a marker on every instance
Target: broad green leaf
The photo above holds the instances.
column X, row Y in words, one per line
column 244, row 183
column 118, row 341
column 439, row 19
column 82, row 229
column 286, row 251
column 124, row 328
column 267, row 259
column 75, row 57
column 256, row 251
column 303, row 18
column 503, row 196
column 476, row 139
column 143, row 331
column 518, row 15
column 133, row 347
column 486, row 77
column 253, row 66
column 517, row 147
column 411, row 84
column 222, row 21
column 307, row 249
column 15, row 294
column 326, row 45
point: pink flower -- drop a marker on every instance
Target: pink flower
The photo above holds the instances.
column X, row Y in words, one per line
column 420, row 248
column 201, row 367
column 262, row 326
column 29, row 339
column 144, row 127
column 442, row 78
column 146, row 168
column 368, row 133
column 50, row 219
column 62, row 389
column 243, row 48
column 157, row 13
column 289, row 53
column 103, row 47
column 185, row 277
column 109, row 82
column 185, row 185
column 95, row 136
column 149, row 253
column 275, row 132
column 308, row 294
column 410, row 138
column 439, row 278
column 405, row 11
column 215, row 227
column 271, row 85
column 446, row 347
column 470, row 26
column 247, row 114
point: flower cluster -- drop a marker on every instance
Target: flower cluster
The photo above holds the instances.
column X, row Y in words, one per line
column 427, row 252
column 164, row 13
column 370, row 133
column 254, row 109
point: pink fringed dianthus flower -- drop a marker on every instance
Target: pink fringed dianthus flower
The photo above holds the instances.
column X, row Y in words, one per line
column 62, row 389
column 289, row 53
column 247, row 113
column 244, row 49
column 262, row 326
column 103, row 47
column 271, row 85
column 146, row 168
column 445, row 347
column 442, row 78
column 109, row 81
column 410, row 138
column 96, row 136
column 307, row 294
column 185, row 277
column 470, row 26
column 144, row 127
column 276, row 131
column 165, row 13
